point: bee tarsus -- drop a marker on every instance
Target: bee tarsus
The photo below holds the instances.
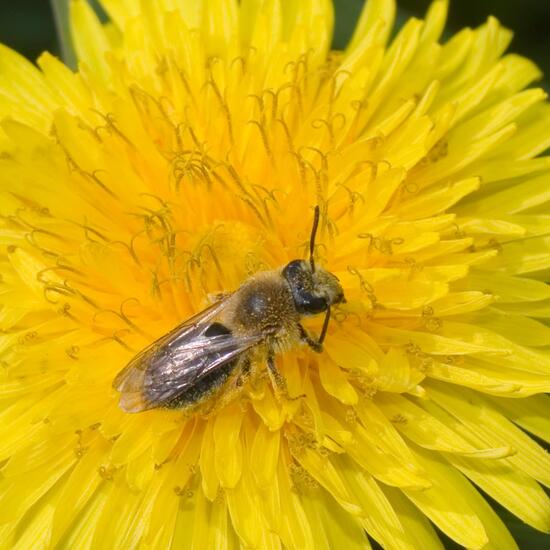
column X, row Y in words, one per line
column 315, row 345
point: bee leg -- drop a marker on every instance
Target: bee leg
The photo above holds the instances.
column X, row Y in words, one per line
column 231, row 390
column 316, row 346
column 305, row 337
column 244, row 375
column 277, row 379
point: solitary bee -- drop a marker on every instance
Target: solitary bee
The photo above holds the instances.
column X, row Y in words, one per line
column 211, row 354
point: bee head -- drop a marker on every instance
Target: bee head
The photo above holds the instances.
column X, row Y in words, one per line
column 313, row 288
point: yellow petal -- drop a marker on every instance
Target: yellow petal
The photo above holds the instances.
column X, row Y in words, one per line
column 512, row 354
column 365, row 449
column 381, row 520
column 322, row 470
column 79, row 489
column 220, row 25
column 334, row 527
column 24, row 94
column 267, row 408
column 69, row 88
column 532, row 414
column 267, row 29
column 518, row 329
column 509, row 289
column 295, row 529
column 121, row 10
column 219, row 526
column 490, row 426
column 210, row 481
column 243, row 505
column 375, row 419
column 17, row 497
column 491, row 379
column 38, row 531
column 461, row 523
column 414, row 522
column 89, row 38
column 228, row 446
column 522, row 256
column 498, row 534
column 422, row 428
column 161, row 525
column 336, row 383
column 265, row 455
column 395, row 372
column 431, row 343
column 435, row 20
column 517, row 199
column 131, row 443
column 376, row 10
column 512, row 489
column 431, row 202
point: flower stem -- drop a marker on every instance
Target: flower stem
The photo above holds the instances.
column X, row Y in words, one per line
column 60, row 10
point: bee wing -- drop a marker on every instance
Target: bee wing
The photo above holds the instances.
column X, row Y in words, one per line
column 178, row 367
column 177, row 362
column 128, row 380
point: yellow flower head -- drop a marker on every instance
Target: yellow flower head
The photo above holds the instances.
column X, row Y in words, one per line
column 186, row 154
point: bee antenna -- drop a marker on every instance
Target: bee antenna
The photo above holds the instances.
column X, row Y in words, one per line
column 312, row 238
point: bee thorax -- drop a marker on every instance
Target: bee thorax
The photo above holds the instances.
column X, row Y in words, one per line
column 264, row 304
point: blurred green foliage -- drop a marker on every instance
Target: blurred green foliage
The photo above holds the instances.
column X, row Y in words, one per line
column 28, row 27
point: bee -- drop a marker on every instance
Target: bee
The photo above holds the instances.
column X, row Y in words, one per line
column 209, row 356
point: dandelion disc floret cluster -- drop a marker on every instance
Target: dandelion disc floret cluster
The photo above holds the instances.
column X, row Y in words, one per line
column 187, row 153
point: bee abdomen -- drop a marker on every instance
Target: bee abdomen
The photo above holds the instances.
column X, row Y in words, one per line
column 209, row 383
column 206, row 386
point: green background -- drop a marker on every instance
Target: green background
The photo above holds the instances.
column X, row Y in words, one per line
column 28, row 27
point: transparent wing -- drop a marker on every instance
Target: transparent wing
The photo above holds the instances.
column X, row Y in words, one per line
column 179, row 361
column 194, row 326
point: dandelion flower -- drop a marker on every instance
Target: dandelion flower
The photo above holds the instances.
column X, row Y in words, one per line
column 187, row 153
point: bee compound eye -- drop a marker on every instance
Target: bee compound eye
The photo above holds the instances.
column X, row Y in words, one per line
column 309, row 304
